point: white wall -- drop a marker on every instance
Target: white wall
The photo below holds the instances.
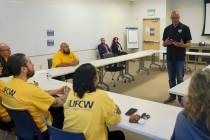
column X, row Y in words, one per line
column 192, row 14
column 116, row 15
column 119, row 14
column 40, row 62
column 139, row 12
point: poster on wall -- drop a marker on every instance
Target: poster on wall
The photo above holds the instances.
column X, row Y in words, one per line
column 50, row 32
column 152, row 32
column 50, row 42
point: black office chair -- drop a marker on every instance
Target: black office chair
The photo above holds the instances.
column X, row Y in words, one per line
column 113, row 68
column 25, row 127
column 62, row 78
column 6, row 127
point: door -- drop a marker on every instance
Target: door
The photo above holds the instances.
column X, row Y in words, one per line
column 151, row 34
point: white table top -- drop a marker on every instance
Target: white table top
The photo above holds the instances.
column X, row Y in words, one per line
column 54, row 72
column 117, row 59
column 181, row 89
column 189, row 53
column 159, row 126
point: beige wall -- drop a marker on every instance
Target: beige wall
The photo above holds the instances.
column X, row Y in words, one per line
column 139, row 12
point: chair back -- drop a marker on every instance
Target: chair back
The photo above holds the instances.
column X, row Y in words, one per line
column 57, row 134
column 25, row 127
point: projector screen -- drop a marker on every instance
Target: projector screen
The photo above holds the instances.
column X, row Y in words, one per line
column 206, row 26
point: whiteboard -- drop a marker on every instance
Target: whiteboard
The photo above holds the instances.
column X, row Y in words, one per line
column 132, row 38
column 24, row 25
column 206, row 30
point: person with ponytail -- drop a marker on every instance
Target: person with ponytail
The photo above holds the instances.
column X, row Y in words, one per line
column 91, row 111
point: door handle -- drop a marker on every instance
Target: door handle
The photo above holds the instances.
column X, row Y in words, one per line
column 149, row 41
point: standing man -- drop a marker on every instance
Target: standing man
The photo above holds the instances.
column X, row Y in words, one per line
column 5, row 52
column 176, row 38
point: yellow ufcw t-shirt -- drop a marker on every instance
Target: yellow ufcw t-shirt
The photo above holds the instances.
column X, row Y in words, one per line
column 90, row 115
column 20, row 95
column 60, row 57
column 4, row 116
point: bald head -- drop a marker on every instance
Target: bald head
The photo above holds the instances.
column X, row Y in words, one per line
column 4, row 50
column 175, row 17
column 3, row 46
column 64, row 47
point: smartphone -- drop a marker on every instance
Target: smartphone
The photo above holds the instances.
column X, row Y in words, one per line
column 131, row 111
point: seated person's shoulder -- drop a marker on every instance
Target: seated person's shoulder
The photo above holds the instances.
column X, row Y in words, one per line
column 57, row 54
column 72, row 53
column 181, row 115
column 1, row 83
column 99, row 45
column 33, row 88
column 101, row 94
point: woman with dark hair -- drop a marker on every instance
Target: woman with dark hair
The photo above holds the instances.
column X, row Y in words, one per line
column 193, row 123
column 90, row 111
column 116, row 47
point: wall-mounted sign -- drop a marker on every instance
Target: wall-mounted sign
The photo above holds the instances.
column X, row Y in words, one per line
column 152, row 31
column 50, row 42
column 50, row 32
column 151, row 12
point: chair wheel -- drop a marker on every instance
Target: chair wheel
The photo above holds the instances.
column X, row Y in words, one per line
column 125, row 81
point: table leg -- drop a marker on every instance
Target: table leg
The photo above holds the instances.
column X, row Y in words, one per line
column 195, row 62
column 187, row 68
column 101, row 83
column 127, row 71
column 164, row 61
column 141, row 66
column 153, row 62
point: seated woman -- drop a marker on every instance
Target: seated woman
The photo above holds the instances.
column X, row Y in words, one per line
column 193, row 123
column 90, row 111
column 116, row 47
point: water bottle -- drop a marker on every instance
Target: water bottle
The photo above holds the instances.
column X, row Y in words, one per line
column 48, row 75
